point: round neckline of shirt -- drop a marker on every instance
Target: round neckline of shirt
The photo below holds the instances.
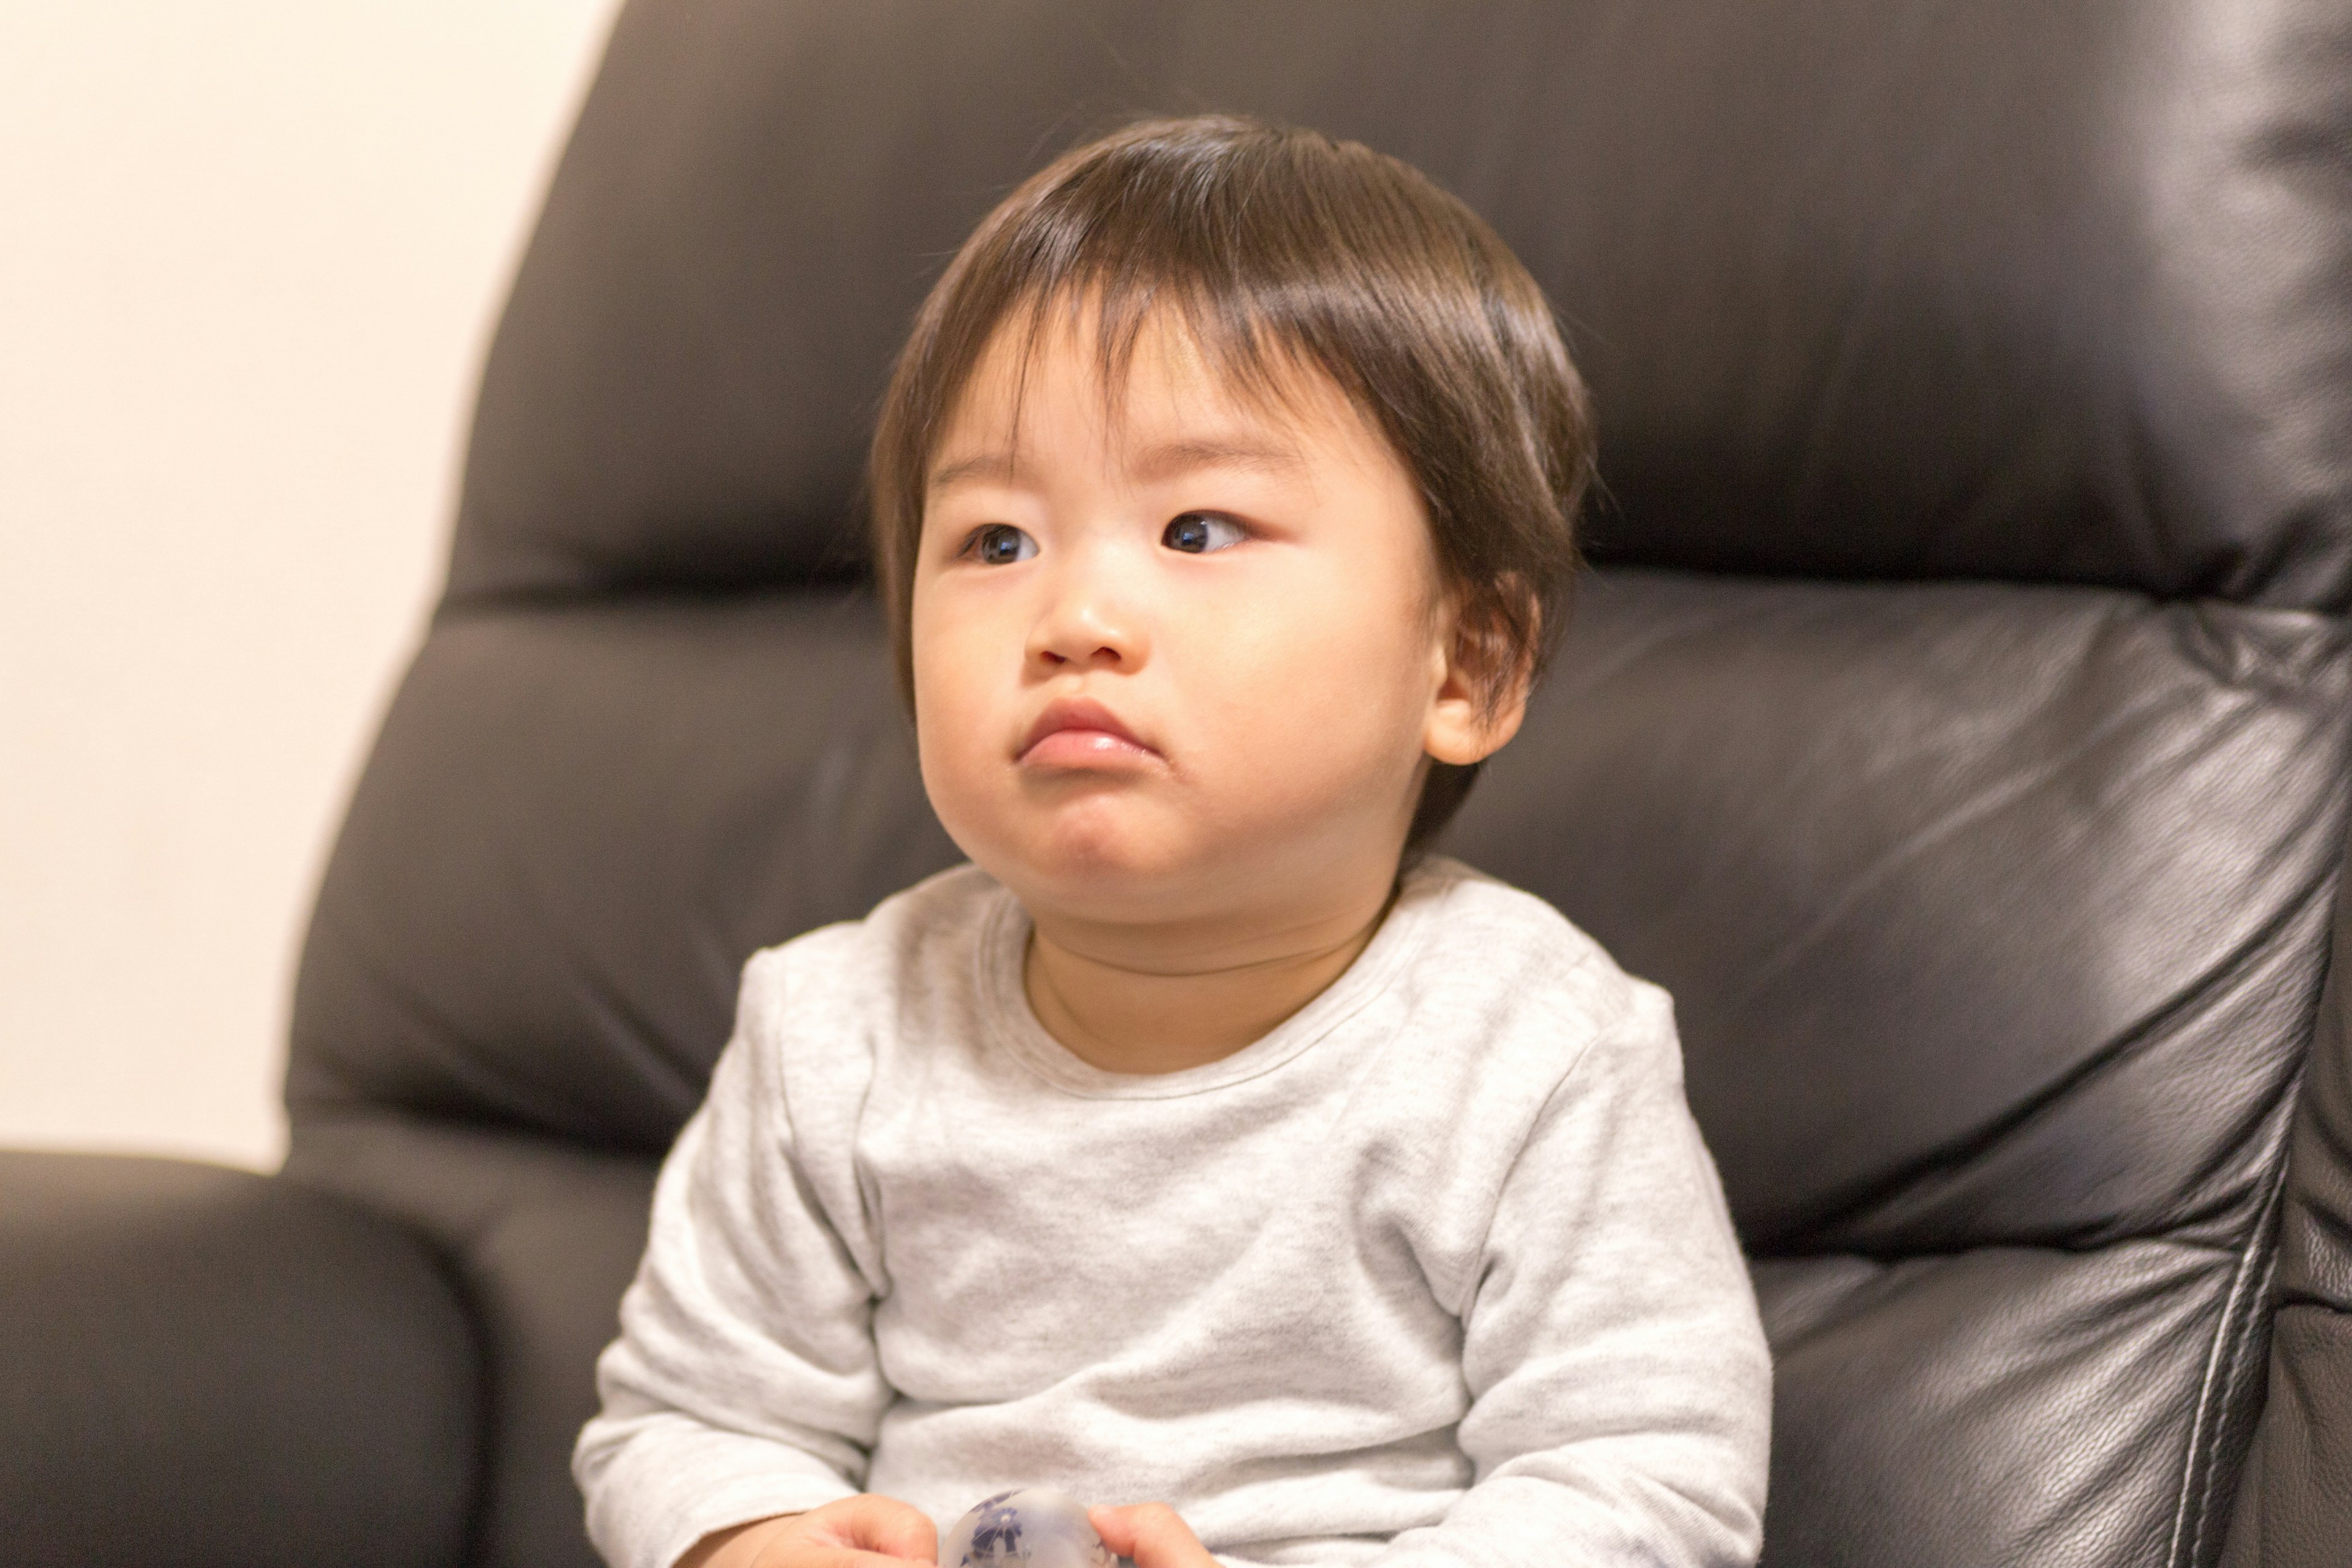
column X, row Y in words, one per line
column 1003, row 945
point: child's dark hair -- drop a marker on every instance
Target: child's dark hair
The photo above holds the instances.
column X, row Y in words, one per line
column 1283, row 248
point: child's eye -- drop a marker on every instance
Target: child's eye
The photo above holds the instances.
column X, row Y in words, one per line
column 1198, row 533
column 999, row 544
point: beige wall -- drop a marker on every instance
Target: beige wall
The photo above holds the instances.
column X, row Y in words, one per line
column 250, row 253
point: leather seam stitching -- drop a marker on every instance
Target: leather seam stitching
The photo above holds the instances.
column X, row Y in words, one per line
column 2203, row 1460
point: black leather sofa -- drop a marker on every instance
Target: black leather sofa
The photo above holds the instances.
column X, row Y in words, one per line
column 1956, row 723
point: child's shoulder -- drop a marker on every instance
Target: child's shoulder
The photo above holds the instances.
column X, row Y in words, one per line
column 1526, row 969
column 926, row 935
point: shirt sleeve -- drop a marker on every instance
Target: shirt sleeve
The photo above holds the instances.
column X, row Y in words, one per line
column 744, row 1381
column 1620, row 1381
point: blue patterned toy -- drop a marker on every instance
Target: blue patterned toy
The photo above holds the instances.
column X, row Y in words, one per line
column 1035, row 1527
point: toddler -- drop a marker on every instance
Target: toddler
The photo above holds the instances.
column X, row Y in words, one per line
column 1203, row 1149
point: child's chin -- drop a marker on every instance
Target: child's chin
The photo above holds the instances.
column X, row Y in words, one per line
column 1102, row 865
column 1098, row 863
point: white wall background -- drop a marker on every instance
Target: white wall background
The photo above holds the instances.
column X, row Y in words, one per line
column 250, row 252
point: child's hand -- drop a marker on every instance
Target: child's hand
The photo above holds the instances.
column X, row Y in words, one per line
column 1152, row 1534
column 863, row 1531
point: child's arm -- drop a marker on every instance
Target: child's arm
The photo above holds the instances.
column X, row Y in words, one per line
column 745, row 1382
column 1620, row 1380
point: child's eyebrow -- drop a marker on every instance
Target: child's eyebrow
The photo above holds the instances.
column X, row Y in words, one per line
column 996, row 466
column 1171, row 458
column 1167, row 460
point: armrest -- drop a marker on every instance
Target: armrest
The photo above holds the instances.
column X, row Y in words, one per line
column 2294, row 1509
column 201, row 1365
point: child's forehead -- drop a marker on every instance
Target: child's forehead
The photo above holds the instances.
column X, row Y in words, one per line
column 1158, row 390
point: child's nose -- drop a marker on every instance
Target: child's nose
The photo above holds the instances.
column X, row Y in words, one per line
column 1084, row 625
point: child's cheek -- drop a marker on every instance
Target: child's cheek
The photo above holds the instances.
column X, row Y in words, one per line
column 964, row 765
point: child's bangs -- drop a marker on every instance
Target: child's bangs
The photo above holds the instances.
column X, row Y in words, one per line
column 1286, row 258
column 1230, row 324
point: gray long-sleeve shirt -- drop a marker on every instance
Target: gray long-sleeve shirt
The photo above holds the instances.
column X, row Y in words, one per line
column 1438, row 1272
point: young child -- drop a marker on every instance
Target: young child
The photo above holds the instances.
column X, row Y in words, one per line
column 1201, row 1147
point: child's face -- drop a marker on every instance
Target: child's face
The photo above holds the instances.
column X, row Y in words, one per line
column 1180, row 659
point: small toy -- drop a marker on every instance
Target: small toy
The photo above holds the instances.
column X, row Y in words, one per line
column 1035, row 1527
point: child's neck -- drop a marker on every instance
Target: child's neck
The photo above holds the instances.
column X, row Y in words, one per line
column 1158, row 999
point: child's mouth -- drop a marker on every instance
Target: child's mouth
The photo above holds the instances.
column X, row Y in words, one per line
column 1076, row 732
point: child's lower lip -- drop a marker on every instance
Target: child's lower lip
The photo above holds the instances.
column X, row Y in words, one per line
column 1083, row 747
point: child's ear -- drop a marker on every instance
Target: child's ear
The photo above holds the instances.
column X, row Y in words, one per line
column 1482, row 692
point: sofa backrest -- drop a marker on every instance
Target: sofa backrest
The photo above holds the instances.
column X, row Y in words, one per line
column 1956, row 725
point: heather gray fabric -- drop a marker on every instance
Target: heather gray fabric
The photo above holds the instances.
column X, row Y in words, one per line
column 1435, row 1273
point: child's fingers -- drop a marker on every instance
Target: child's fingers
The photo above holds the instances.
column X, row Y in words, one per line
column 838, row 1557
column 847, row 1557
column 1153, row 1534
column 863, row 1531
column 886, row 1525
